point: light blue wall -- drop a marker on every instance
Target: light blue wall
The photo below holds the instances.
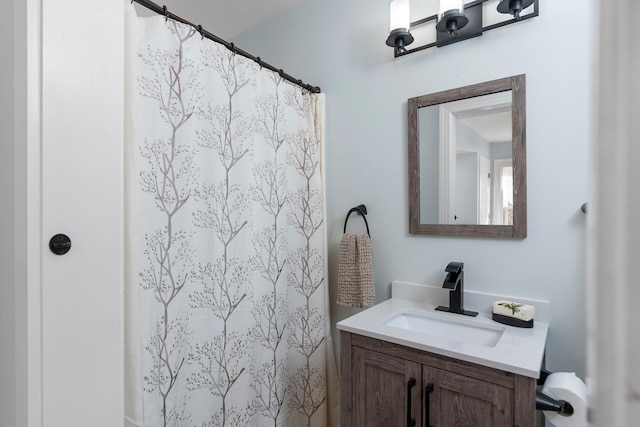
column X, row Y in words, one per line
column 501, row 150
column 339, row 45
column 469, row 139
column 429, row 130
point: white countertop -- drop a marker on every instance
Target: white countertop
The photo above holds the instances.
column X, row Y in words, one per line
column 519, row 350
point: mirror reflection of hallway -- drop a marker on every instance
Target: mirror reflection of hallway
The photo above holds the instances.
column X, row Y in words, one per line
column 454, row 138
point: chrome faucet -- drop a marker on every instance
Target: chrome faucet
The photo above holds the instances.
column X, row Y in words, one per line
column 454, row 282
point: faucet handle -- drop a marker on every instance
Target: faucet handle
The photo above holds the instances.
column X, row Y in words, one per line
column 451, row 281
column 454, row 267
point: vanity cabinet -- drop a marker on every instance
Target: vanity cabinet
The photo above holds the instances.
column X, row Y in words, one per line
column 389, row 385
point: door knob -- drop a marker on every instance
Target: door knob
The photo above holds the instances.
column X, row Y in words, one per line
column 60, row 244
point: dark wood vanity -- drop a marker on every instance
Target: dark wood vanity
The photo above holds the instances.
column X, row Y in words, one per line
column 390, row 385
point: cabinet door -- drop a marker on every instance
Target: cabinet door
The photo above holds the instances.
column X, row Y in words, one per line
column 460, row 401
column 385, row 390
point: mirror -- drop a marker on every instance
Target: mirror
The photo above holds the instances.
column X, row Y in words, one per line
column 467, row 161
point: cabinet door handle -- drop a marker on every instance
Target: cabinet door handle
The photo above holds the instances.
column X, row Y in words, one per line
column 410, row 384
column 427, row 403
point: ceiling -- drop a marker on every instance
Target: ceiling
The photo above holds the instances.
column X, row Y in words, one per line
column 494, row 127
column 225, row 18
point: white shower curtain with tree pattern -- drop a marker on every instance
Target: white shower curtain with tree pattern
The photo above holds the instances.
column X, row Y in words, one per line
column 227, row 318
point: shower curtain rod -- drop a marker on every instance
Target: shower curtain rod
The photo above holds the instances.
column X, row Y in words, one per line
column 162, row 10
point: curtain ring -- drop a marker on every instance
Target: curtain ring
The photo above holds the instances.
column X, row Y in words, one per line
column 166, row 13
column 200, row 31
column 259, row 61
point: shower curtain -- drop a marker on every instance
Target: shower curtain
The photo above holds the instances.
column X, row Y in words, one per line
column 226, row 296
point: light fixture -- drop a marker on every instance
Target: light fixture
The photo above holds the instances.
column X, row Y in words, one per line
column 399, row 24
column 455, row 22
column 451, row 17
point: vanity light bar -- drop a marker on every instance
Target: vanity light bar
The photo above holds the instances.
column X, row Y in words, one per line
column 474, row 28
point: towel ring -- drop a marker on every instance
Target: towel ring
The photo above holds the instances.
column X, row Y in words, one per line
column 360, row 210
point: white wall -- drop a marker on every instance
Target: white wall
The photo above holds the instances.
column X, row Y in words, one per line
column 340, row 46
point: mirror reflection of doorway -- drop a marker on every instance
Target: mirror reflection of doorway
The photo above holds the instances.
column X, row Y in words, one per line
column 472, row 199
column 473, row 134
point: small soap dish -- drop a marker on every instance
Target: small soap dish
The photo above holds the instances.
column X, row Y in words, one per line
column 513, row 313
column 512, row 321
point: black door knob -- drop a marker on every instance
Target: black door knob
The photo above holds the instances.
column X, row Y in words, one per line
column 60, row 244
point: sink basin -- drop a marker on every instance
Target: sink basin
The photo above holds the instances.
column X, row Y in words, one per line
column 447, row 327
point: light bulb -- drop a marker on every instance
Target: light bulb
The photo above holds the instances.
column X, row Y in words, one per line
column 450, row 5
column 399, row 15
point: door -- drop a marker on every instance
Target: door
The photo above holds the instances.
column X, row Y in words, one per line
column 385, row 390
column 460, row 401
column 466, row 197
column 82, row 51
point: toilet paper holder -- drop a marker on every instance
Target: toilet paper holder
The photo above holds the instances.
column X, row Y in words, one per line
column 547, row 403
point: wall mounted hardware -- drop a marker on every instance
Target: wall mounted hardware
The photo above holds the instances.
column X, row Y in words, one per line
column 360, row 210
column 548, row 403
column 455, row 22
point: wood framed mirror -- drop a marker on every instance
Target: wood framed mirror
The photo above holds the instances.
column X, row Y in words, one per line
column 467, row 161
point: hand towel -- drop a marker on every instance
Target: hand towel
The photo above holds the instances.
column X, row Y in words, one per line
column 356, row 287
